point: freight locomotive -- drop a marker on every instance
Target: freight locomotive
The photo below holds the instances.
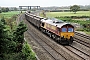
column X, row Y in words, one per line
column 60, row 31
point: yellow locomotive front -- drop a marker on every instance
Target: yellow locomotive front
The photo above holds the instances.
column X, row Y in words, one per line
column 60, row 31
column 67, row 33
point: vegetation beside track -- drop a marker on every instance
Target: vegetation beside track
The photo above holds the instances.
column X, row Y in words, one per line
column 81, row 17
column 58, row 14
column 9, row 14
column 12, row 44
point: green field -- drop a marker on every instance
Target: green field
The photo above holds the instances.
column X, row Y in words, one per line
column 62, row 14
column 57, row 14
column 8, row 14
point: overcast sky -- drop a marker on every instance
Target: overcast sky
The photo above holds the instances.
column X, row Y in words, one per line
column 42, row 3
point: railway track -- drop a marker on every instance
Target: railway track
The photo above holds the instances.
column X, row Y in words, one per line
column 83, row 35
column 82, row 52
column 47, row 46
column 53, row 53
column 79, row 50
column 82, row 39
column 87, row 44
column 61, row 50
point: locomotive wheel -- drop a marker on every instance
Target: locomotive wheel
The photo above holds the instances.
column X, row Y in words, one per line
column 53, row 36
column 58, row 39
column 50, row 35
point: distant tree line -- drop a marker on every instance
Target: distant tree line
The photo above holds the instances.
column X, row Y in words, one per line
column 73, row 8
column 4, row 9
column 13, row 9
column 65, row 7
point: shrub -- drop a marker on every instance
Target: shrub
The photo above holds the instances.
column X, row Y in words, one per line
column 27, row 52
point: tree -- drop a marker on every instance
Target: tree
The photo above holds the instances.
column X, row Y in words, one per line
column 74, row 8
column 15, row 9
column 0, row 11
column 4, row 9
column 19, row 35
column 3, row 37
column 7, row 9
column 6, row 43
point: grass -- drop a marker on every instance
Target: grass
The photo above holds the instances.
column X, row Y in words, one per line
column 87, row 33
column 9, row 14
column 57, row 14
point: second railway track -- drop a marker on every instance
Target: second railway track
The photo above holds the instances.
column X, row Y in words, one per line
column 83, row 35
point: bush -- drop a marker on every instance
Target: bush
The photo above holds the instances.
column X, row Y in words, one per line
column 74, row 17
column 65, row 19
column 27, row 52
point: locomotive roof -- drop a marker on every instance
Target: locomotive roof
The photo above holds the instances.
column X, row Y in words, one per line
column 57, row 23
